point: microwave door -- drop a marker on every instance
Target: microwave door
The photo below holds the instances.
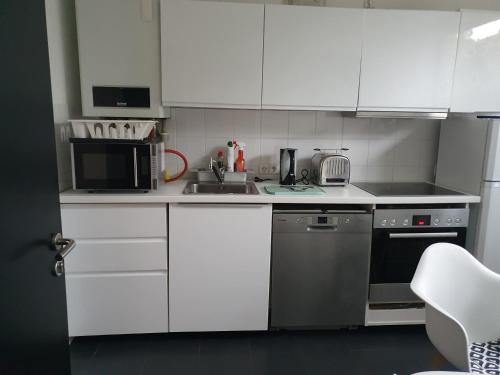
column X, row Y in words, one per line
column 142, row 167
column 104, row 167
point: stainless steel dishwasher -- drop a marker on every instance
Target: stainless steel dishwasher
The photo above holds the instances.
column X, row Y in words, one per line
column 320, row 266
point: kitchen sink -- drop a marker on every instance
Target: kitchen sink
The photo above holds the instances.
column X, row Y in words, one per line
column 248, row 188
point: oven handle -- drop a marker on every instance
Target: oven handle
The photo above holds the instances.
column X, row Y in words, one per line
column 424, row 235
column 136, row 182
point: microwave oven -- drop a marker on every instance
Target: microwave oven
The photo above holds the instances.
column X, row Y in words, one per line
column 115, row 164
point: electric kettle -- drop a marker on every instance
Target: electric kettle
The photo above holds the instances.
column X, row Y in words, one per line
column 288, row 166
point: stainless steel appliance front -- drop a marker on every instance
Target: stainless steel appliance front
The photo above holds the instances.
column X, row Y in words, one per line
column 320, row 266
column 400, row 236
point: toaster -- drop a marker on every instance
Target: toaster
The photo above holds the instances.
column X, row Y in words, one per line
column 330, row 168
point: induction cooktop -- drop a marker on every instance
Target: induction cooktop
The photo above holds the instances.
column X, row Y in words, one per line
column 385, row 189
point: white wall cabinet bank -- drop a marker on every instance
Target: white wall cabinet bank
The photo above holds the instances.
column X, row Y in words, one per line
column 116, row 277
column 477, row 82
column 219, row 261
column 312, row 57
column 211, row 53
column 408, row 60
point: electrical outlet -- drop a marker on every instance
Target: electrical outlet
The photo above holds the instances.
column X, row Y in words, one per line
column 264, row 169
column 274, row 169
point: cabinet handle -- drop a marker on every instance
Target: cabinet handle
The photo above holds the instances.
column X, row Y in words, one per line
column 134, row 151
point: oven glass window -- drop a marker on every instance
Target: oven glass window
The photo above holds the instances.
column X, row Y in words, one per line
column 394, row 260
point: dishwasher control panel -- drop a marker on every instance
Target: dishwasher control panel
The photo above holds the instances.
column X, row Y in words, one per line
column 306, row 222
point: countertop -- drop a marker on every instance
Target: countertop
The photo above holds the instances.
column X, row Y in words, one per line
column 172, row 193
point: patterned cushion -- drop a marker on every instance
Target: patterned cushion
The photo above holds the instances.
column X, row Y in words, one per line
column 484, row 357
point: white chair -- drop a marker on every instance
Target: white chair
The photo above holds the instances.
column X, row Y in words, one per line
column 462, row 307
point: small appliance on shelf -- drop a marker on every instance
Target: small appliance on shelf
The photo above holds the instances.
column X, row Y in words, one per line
column 330, row 167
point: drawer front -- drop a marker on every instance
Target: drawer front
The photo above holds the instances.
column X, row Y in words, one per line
column 114, row 220
column 117, row 303
column 111, row 255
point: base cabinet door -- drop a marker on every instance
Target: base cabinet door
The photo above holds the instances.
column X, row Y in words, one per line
column 117, row 303
column 219, row 261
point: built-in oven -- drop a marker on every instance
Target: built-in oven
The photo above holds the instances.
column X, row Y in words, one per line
column 115, row 164
column 399, row 238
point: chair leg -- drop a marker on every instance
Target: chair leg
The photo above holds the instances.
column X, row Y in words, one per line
column 438, row 362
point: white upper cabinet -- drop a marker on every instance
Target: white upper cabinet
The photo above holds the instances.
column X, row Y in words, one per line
column 311, row 57
column 211, row 53
column 408, row 60
column 477, row 74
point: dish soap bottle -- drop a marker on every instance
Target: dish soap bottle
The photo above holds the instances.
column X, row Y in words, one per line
column 230, row 156
column 240, row 161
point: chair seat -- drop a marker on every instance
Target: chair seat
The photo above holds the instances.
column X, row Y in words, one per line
column 484, row 357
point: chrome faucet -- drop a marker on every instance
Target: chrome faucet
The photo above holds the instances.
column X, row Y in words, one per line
column 219, row 174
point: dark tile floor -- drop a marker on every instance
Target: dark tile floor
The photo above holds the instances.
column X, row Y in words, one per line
column 364, row 351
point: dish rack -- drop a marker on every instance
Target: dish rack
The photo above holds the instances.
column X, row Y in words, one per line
column 112, row 129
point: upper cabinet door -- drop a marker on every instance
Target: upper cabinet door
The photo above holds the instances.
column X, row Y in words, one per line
column 211, row 53
column 408, row 60
column 311, row 57
column 477, row 79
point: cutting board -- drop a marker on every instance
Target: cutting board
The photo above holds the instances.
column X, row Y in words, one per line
column 293, row 190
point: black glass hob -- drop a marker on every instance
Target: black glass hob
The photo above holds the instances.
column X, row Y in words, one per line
column 383, row 189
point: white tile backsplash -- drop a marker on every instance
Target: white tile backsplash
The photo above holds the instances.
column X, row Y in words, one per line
column 379, row 149
column 302, row 124
column 274, row 124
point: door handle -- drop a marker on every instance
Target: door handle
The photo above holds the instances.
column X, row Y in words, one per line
column 63, row 246
column 424, row 235
column 134, row 151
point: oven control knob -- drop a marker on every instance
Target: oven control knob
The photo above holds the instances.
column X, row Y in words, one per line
column 406, row 222
column 449, row 221
column 383, row 222
column 393, row 221
column 436, row 221
column 458, row 220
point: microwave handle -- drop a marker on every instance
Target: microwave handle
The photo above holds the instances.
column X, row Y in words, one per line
column 136, row 181
column 424, row 235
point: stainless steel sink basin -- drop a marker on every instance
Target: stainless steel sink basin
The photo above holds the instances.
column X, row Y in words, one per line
column 215, row 188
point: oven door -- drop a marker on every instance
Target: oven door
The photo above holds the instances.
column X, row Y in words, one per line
column 111, row 166
column 395, row 256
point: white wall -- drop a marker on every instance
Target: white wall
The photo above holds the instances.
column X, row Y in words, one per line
column 380, row 149
column 65, row 78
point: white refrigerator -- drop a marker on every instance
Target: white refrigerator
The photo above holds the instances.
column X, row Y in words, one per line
column 469, row 161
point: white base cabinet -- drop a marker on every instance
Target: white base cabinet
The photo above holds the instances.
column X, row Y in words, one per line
column 116, row 277
column 219, row 261
column 117, row 303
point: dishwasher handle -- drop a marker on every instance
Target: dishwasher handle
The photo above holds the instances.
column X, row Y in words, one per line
column 322, row 228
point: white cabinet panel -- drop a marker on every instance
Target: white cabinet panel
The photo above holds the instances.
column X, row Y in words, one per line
column 219, row 261
column 408, row 60
column 114, row 220
column 312, row 57
column 107, row 304
column 477, row 80
column 211, row 53
column 114, row 255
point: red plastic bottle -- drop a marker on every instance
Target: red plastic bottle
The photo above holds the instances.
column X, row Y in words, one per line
column 240, row 161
